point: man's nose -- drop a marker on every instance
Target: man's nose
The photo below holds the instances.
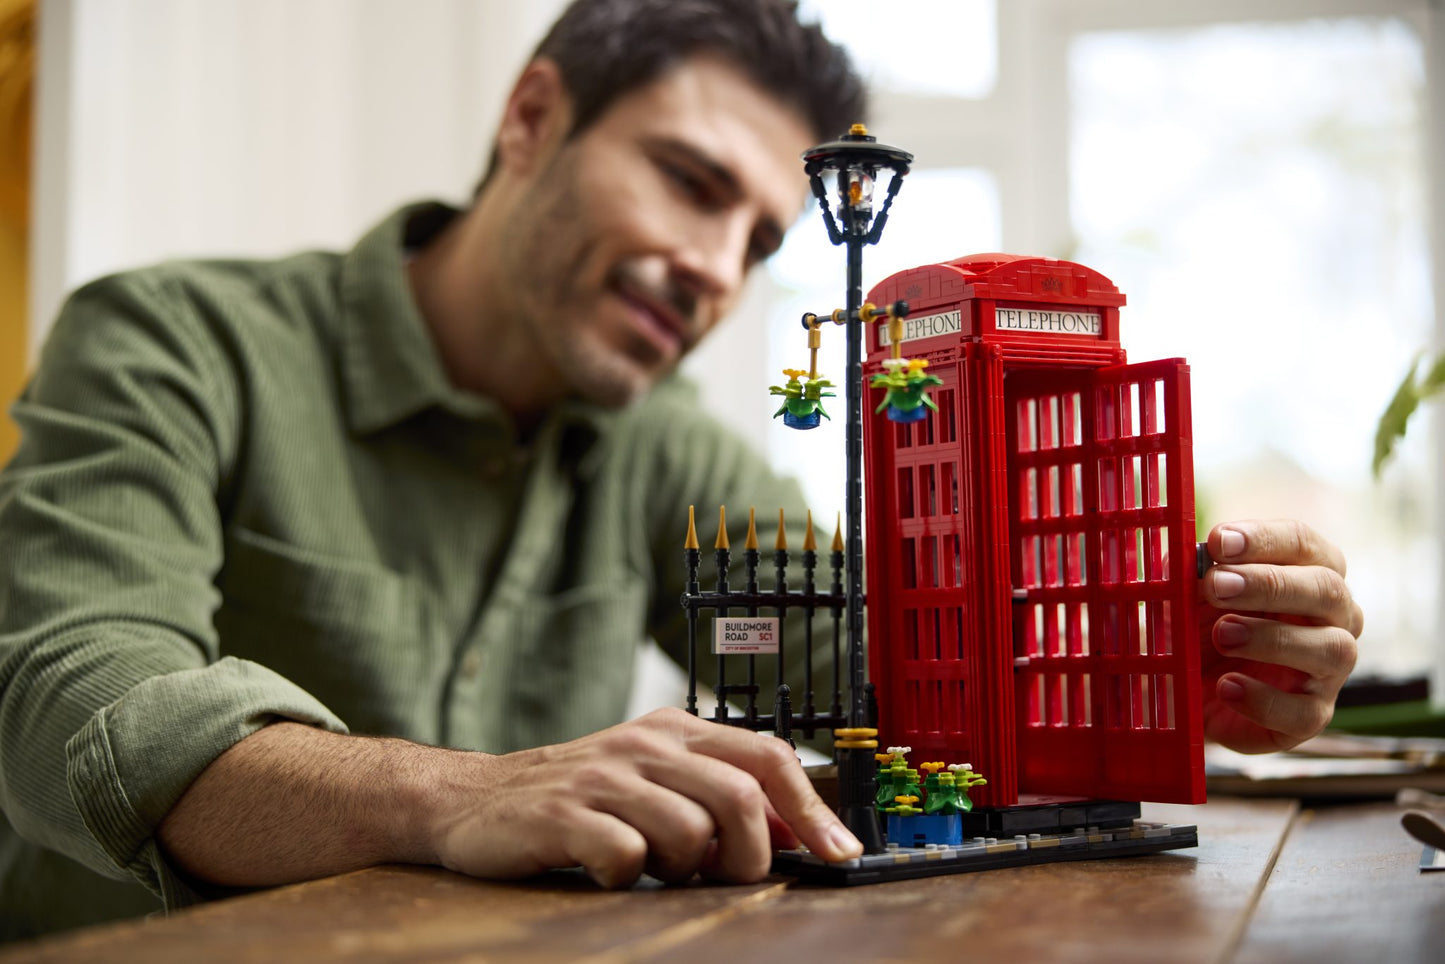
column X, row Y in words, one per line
column 712, row 261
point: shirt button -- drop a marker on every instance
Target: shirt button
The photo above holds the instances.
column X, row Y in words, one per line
column 471, row 663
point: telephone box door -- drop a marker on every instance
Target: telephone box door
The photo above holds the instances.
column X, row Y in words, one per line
column 1108, row 690
column 938, row 577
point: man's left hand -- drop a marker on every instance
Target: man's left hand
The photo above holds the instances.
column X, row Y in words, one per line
column 1277, row 630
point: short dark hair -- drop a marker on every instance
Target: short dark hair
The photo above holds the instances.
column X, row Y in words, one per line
column 605, row 48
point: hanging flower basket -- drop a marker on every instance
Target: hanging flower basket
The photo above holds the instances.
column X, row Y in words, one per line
column 802, row 406
column 906, row 396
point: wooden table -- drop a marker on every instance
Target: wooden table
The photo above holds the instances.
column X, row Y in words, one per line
column 1270, row 881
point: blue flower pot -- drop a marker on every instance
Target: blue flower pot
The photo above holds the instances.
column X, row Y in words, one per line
column 916, row 414
column 802, row 422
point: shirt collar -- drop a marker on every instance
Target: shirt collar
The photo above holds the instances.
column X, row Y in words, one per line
column 389, row 364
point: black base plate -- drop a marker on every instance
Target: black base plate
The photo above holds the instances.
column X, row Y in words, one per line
column 987, row 853
column 1036, row 813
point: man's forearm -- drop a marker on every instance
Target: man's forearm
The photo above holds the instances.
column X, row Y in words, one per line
column 292, row 802
column 668, row 794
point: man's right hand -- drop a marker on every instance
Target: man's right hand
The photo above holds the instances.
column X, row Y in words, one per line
column 668, row 794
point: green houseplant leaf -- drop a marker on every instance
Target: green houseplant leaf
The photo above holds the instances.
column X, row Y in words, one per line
column 1396, row 418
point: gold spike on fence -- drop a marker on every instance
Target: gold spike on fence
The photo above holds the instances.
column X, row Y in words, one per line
column 691, row 541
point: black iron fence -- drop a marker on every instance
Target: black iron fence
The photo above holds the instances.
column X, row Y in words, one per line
column 750, row 623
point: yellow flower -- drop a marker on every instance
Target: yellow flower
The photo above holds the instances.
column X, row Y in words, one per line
column 795, row 372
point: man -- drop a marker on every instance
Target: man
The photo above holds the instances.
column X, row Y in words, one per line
column 432, row 490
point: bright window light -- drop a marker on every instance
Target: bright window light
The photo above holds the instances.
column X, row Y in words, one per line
column 938, row 47
column 1258, row 192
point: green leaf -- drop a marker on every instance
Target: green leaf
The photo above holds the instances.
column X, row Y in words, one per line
column 1396, row 417
column 1434, row 379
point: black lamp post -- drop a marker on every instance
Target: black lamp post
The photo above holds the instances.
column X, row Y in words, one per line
column 855, row 160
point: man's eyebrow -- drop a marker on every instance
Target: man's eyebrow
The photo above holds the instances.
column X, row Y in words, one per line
column 721, row 174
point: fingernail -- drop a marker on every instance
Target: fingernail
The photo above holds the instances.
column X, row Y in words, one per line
column 1230, row 633
column 1231, row 542
column 844, row 843
column 1227, row 584
column 1231, row 691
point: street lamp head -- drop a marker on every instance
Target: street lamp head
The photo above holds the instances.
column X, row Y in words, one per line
column 854, row 160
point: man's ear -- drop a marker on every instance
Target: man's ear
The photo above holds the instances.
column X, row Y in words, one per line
column 536, row 119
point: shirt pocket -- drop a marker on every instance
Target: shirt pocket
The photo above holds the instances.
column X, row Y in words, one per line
column 572, row 672
column 354, row 634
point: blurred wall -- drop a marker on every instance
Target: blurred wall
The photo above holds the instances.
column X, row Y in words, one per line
column 255, row 127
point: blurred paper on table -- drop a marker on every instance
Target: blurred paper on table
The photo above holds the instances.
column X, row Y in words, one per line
column 1333, row 765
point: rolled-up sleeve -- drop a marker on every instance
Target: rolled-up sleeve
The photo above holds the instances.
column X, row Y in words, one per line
column 113, row 694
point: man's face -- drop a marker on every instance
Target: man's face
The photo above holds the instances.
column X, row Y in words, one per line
column 633, row 239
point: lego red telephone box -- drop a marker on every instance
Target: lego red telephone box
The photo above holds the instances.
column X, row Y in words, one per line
column 1031, row 546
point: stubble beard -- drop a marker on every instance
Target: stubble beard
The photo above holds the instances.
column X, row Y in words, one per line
column 546, row 254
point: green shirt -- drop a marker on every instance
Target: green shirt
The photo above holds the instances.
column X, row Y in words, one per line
column 247, row 492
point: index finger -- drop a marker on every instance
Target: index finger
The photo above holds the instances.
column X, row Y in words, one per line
column 1277, row 541
column 778, row 771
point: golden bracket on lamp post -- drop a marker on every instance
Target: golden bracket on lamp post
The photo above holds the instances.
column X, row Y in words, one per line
column 869, row 314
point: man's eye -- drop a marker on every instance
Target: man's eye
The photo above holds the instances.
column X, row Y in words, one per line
column 691, row 185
